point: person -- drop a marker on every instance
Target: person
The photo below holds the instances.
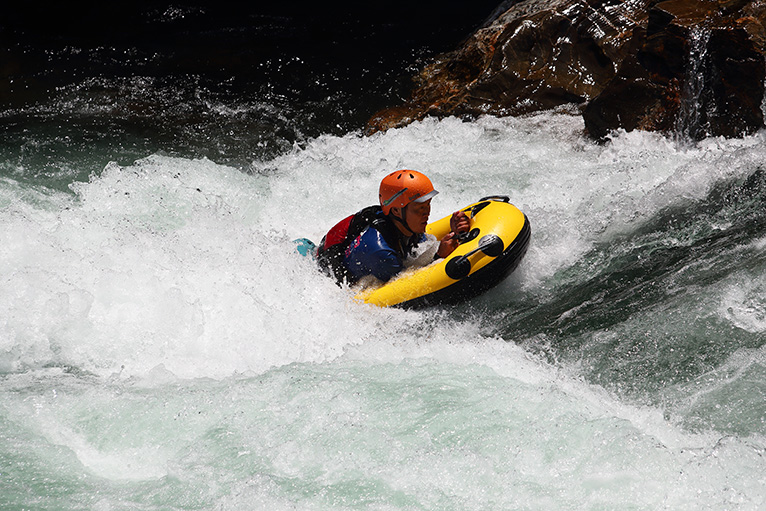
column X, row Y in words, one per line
column 382, row 240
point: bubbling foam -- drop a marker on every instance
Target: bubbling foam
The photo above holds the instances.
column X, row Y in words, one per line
column 189, row 264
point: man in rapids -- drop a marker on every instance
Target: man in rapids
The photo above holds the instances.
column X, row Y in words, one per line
column 383, row 240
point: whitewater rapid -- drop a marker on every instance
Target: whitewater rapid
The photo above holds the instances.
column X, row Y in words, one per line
column 160, row 338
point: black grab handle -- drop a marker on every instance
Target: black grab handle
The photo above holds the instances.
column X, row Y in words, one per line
column 460, row 266
column 499, row 198
column 465, row 237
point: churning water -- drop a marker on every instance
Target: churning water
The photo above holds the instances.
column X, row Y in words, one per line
column 162, row 346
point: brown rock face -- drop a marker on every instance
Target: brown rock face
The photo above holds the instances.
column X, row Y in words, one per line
column 689, row 66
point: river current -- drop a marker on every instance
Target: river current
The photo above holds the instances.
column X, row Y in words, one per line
column 162, row 346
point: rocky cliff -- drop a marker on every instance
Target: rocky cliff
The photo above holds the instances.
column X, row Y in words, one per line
column 694, row 67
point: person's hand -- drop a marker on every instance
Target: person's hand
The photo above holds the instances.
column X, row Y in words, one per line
column 459, row 222
column 447, row 245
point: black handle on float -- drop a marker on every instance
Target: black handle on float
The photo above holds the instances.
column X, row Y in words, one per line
column 465, row 237
column 484, row 202
column 459, row 267
column 498, row 198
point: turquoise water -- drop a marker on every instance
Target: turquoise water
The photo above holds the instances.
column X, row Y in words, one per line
column 163, row 347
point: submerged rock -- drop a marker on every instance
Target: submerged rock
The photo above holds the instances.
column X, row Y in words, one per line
column 690, row 66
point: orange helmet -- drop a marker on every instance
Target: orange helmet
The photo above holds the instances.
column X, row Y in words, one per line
column 402, row 187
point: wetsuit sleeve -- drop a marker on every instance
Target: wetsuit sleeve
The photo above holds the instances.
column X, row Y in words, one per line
column 369, row 254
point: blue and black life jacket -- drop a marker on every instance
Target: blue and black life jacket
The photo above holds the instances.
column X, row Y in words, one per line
column 335, row 246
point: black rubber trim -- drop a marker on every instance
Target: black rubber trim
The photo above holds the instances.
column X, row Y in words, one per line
column 479, row 282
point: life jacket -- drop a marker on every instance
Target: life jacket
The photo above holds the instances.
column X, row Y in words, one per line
column 331, row 252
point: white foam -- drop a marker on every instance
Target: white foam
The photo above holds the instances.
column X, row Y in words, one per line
column 189, row 264
column 743, row 301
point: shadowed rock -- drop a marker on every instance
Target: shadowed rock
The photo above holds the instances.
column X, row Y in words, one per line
column 688, row 66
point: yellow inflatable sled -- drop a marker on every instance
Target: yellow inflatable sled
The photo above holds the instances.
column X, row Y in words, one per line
column 493, row 248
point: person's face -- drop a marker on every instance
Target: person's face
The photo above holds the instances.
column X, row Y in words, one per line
column 416, row 215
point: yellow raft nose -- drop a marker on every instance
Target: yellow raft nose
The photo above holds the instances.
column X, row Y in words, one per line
column 494, row 247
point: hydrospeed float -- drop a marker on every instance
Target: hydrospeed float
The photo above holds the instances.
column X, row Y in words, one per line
column 488, row 253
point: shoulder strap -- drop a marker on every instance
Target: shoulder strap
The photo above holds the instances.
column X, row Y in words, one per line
column 362, row 220
column 394, row 237
column 334, row 244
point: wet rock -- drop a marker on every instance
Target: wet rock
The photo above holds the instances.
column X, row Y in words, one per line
column 690, row 66
column 698, row 73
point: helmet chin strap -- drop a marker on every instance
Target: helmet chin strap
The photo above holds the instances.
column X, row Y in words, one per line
column 403, row 221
